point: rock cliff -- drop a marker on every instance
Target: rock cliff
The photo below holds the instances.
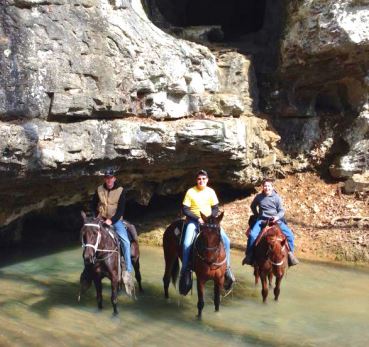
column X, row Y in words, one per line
column 86, row 84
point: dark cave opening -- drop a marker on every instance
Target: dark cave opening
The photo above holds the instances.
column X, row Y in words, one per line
column 236, row 17
column 251, row 27
column 55, row 229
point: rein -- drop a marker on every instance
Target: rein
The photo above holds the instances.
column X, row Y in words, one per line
column 215, row 249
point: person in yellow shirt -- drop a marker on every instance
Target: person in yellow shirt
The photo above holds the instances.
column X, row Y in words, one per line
column 201, row 198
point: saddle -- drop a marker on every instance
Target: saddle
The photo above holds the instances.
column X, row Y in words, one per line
column 132, row 235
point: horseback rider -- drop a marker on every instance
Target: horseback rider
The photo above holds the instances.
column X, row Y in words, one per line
column 201, row 198
column 109, row 203
column 267, row 206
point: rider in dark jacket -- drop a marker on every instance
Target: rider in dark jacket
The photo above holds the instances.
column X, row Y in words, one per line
column 268, row 206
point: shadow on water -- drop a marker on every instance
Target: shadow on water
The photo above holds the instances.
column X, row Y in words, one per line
column 151, row 305
column 55, row 292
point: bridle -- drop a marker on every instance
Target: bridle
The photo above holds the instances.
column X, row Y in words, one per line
column 96, row 245
column 215, row 249
column 269, row 252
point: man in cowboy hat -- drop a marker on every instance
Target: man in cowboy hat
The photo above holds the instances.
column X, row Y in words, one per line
column 109, row 203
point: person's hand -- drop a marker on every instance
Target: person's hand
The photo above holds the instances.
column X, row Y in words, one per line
column 108, row 222
column 275, row 219
column 200, row 220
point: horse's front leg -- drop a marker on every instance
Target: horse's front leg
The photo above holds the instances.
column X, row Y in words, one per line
column 200, row 296
column 114, row 293
column 277, row 288
column 217, row 287
column 98, row 286
column 264, row 284
column 270, row 279
column 256, row 274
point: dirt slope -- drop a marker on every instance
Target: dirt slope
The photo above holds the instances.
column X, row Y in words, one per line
column 327, row 224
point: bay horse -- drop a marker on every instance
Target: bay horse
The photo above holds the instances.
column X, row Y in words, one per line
column 271, row 258
column 101, row 255
column 209, row 257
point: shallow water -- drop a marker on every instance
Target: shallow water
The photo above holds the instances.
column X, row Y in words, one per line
column 320, row 305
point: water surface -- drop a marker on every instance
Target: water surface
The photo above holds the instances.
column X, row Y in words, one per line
column 320, row 305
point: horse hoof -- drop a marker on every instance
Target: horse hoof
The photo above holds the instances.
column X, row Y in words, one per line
column 199, row 317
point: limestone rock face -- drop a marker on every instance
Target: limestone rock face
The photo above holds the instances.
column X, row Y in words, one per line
column 324, row 58
column 63, row 59
column 322, row 84
column 58, row 163
column 86, row 84
column 357, row 139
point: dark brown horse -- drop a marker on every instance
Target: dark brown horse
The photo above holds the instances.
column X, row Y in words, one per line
column 101, row 255
column 209, row 258
column 271, row 258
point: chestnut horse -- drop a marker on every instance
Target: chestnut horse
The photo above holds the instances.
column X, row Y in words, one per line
column 101, row 255
column 271, row 258
column 209, row 257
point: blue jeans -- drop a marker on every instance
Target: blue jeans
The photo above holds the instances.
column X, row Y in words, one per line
column 125, row 244
column 255, row 231
column 191, row 231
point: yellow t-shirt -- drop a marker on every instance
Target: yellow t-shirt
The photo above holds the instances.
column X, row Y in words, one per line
column 200, row 200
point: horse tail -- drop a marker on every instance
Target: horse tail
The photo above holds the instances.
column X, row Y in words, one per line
column 175, row 271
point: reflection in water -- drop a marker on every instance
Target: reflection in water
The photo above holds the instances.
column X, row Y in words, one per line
column 319, row 306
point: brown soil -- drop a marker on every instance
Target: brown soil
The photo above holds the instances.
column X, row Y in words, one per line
column 327, row 224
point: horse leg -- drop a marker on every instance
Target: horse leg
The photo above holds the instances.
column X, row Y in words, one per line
column 264, row 284
column 216, row 295
column 277, row 287
column 256, row 274
column 98, row 286
column 270, row 279
column 136, row 266
column 114, row 294
column 170, row 259
column 200, row 296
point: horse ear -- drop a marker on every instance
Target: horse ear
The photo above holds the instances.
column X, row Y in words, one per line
column 220, row 217
column 83, row 214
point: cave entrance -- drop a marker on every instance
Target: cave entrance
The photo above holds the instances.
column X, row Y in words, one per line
column 236, row 17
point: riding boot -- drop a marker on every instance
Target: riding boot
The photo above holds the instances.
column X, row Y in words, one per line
column 229, row 279
column 128, row 283
column 185, row 282
column 292, row 260
column 248, row 260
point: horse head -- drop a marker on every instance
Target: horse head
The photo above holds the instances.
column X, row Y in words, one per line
column 210, row 231
column 90, row 237
column 276, row 242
